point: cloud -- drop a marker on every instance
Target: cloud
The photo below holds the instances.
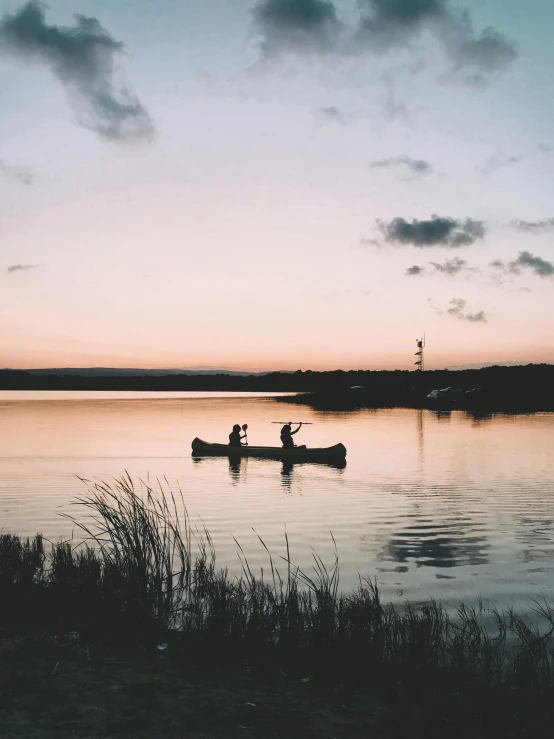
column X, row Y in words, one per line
column 451, row 266
column 313, row 26
column 417, row 167
column 83, row 58
column 415, row 270
column 298, row 26
column 385, row 24
column 477, row 58
column 457, row 308
column 436, row 231
column 331, row 114
column 498, row 161
column 525, row 261
column 391, row 24
column 20, row 268
column 25, row 176
column 535, row 227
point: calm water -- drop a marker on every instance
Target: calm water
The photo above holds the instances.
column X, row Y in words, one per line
column 433, row 505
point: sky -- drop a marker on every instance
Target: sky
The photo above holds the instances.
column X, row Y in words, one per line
column 276, row 184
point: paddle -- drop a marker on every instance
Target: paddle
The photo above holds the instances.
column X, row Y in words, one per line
column 244, row 428
column 292, row 423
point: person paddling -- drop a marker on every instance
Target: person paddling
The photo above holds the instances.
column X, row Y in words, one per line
column 235, row 439
column 287, row 434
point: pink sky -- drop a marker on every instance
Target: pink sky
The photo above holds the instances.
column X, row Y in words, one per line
column 239, row 235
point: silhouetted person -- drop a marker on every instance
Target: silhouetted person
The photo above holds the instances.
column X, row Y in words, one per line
column 235, row 439
column 287, row 434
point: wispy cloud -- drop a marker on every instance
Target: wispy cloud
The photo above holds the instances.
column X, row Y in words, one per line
column 331, row 114
column 403, row 164
column 451, row 266
column 497, row 161
column 20, row 174
column 525, row 261
column 83, row 59
column 313, row 26
column 436, row 231
column 535, row 227
column 20, row 268
column 457, row 308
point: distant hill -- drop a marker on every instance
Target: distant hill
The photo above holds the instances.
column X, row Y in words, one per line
column 130, row 372
column 481, row 366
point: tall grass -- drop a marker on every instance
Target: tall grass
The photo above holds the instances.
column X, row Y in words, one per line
column 143, row 573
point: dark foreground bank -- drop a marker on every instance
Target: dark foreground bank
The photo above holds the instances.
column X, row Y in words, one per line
column 49, row 691
column 277, row 653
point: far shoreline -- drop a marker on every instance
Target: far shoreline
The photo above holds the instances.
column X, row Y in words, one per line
column 495, row 389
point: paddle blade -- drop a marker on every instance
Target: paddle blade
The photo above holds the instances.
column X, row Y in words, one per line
column 245, row 426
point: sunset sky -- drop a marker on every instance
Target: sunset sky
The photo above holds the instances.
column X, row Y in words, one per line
column 278, row 184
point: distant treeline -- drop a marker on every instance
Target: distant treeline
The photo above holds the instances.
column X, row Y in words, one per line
column 531, row 379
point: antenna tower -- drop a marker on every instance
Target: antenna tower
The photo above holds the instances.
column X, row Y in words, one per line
column 419, row 354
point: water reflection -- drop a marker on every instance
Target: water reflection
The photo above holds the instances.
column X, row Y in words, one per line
column 287, row 476
column 438, row 544
column 423, row 493
column 442, row 415
column 237, row 468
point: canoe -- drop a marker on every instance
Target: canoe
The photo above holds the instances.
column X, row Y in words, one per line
column 301, row 453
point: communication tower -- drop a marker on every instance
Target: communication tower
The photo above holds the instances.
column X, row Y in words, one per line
column 419, row 354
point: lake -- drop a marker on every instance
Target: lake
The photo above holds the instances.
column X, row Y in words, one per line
column 432, row 504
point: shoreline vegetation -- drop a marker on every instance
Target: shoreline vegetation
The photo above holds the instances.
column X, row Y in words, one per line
column 496, row 389
column 144, row 577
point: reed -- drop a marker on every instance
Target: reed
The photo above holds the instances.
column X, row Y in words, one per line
column 143, row 573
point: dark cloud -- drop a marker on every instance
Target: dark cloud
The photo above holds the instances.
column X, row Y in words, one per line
column 535, row 227
column 385, row 24
column 20, row 268
column 457, row 308
column 300, row 26
column 415, row 270
column 417, row 167
column 436, row 231
column 83, row 57
column 498, row 161
column 451, row 266
column 388, row 24
column 313, row 26
column 25, row 176
column 525, row 261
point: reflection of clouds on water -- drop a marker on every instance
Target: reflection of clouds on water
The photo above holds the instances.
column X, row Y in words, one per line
column 438, row 545
column 535, row 533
